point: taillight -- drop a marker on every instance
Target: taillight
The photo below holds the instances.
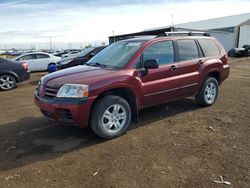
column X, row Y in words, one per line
column 224, row 60
column 25, row 66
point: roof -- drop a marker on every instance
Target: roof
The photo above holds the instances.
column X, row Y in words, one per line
column 162, row 38
column 215, row 23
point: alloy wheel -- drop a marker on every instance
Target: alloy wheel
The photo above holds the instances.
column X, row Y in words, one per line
column 7, row 82
column 210, row 92
column 114, row 118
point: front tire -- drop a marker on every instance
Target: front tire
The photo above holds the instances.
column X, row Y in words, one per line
column 110, row 117
column 7, row 82
column 209, row 92
column 48, row 70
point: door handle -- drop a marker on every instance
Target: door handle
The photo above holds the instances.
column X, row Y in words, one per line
column 173, row 67
column 200, row 62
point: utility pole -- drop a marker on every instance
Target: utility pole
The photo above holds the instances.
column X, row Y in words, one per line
column 113, row 35
column 172, row 23
column 50, row 43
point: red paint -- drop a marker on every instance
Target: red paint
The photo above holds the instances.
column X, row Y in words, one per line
column 158, row 86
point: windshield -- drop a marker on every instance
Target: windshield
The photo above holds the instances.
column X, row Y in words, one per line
column 116, row 55
column 85, row 52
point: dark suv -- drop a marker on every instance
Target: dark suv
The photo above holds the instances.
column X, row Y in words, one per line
column 80, row 59
column 129, row 75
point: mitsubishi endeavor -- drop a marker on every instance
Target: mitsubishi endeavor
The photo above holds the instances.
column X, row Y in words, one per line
column 111, row 88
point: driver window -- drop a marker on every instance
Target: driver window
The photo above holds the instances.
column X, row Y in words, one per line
column 162, row 51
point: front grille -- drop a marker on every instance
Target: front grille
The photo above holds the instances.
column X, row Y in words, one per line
column 50, row 91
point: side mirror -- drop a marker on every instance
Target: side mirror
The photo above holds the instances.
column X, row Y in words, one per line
column 151, row 64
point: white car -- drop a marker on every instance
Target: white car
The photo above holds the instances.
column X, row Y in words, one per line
column 71, row 54
column 38, row 61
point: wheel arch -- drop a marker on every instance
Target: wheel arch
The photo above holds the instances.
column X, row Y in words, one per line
column 51, row 63
column 12, row 74
column 215, row 74
column 125, row 93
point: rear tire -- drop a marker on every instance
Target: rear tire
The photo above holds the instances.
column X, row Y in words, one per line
column 7, row 82
column 110, row 117
column 209, row 92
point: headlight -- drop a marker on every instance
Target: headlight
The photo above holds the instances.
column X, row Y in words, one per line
column 73, row 91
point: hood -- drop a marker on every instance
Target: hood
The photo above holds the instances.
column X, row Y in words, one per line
column 66, row 59
column 78, row 74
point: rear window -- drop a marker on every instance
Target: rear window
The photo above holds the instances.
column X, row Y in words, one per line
column 209, row 47
column 187, row 49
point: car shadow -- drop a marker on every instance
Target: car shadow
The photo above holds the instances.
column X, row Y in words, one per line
column 33, row 139
column 34, row 82
column 163, row 111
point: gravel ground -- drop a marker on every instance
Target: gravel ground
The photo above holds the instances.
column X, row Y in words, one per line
column 174, row 145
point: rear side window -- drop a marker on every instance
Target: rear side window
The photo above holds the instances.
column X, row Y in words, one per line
column 187, row 49
column 209, row 47
column 42, row 56
column 163, row 51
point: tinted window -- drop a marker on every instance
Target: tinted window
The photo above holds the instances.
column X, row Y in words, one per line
column 187, row 50
column 27, row 57
column 42, row 56
column 85, row 52
column 209, row 47
column 97, row 50
column 163, row 51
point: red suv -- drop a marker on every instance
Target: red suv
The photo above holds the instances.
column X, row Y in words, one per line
column 111, row 88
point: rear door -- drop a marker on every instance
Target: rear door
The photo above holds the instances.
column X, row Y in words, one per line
column 42, row 61
column 190, row 59
column 160, row 85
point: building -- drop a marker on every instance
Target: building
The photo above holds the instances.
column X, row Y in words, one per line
column 231, row 31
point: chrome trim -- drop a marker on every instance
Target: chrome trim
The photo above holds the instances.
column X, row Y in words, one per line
column 165, row 91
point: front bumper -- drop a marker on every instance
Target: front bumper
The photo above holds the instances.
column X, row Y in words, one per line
column 65, row 111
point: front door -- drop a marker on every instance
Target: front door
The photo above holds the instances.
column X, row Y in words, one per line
column 160, row 85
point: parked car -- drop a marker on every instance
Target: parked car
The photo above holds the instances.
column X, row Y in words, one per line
column 70, row 54
column 246, row 46
column 2, row 52
column 129, row 75
column 60, row 53
column 38, row 61
column 12, row 73
column 239, row 52
column 63, row 52
column 81, row 59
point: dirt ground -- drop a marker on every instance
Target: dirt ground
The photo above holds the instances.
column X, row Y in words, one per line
column 171, row 146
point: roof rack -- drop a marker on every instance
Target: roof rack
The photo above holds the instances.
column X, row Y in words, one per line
column 187, row 33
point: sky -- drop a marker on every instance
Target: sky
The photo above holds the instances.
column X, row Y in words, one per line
column 75, row 23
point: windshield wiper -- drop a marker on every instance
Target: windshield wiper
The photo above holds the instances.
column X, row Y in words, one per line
column 96, row 64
